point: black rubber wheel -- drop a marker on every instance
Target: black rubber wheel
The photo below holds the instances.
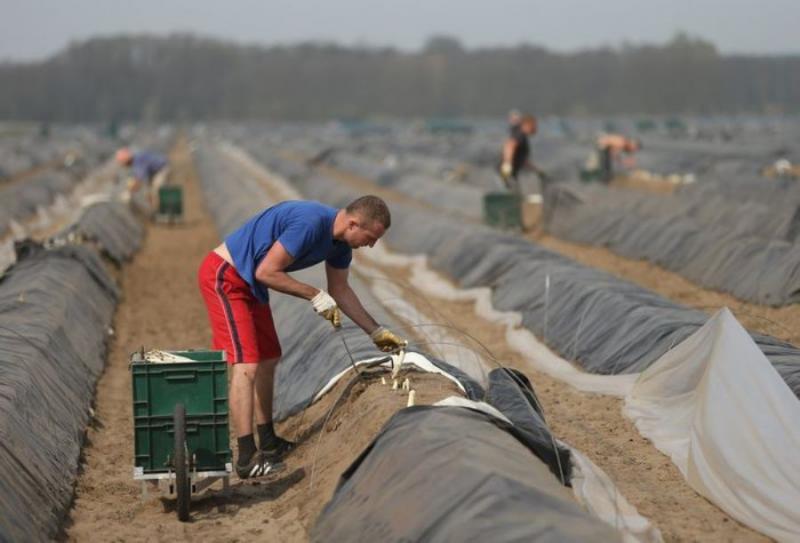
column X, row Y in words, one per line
column 182, row 483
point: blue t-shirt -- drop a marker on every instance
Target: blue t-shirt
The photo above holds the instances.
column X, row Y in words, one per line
column 305, row 229
column 146, row 164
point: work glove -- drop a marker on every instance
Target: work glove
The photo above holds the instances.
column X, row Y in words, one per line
column 506, row 170
column 387, row 341
column 326, row 307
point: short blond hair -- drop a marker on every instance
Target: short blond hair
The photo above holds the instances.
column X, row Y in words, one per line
column 371, row 208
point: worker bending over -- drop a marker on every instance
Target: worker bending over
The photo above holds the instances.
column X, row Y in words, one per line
column 235, row 279
column 148, row 169
column 610, row 148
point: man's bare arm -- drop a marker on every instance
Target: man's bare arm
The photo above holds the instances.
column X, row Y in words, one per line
column 271, row 273
column 346, row 299
column 508, row 149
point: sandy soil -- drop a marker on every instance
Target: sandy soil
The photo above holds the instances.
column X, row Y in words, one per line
column 595, row 425
column 162, row 309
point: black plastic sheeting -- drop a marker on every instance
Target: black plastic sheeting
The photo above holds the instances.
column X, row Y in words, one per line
column 452, row 474
column 604, row 324
column 747, row 248
column 112, row 226
column 512, row 394
column 55, row 310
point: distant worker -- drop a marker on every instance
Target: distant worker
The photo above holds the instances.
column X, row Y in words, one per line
column 235, row 279
column 516, row 153
column 149, row 169
column 610, row 148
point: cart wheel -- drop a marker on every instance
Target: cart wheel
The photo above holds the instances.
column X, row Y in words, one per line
column 182, row 483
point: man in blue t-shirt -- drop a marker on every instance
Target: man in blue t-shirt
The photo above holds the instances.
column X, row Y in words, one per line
column 235, row 279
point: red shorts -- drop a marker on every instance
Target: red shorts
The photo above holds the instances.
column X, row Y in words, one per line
column 240, row 324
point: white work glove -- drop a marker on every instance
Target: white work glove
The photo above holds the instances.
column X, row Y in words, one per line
column 506, row 170
column 326, row 307
column 387, row 341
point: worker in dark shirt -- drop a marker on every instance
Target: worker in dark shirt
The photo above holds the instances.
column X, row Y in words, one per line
column 516, row 153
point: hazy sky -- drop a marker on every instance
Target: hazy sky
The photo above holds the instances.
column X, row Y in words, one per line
column 31, row 29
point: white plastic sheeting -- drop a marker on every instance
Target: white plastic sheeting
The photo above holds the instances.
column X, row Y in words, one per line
column 717, row 407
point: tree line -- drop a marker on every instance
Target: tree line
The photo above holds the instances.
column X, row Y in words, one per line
column 186, row 77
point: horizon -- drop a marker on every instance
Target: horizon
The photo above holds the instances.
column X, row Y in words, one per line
column 37, row 31
column 617, row 47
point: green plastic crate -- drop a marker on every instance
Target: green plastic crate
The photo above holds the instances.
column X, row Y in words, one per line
column 170, row 201
column 502, row 210
column 202, row 387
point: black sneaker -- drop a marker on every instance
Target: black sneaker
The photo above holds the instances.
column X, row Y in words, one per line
column 258, row 466
column 277, row 449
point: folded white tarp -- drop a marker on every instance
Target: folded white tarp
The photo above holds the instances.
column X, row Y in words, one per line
column 718, row 408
